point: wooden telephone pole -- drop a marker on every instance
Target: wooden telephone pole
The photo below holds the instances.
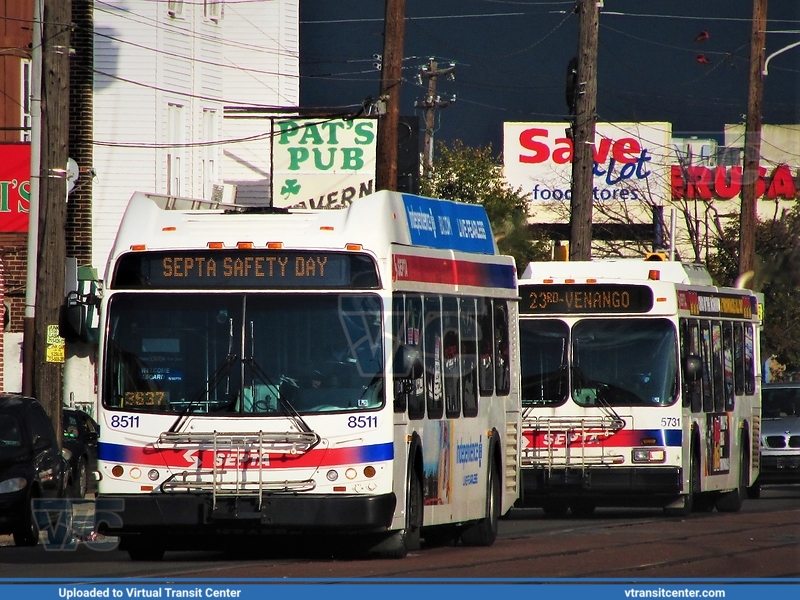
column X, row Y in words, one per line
column 752, row 142
column 583, row 129
column 391, row 79
column 429, row 105
column 56, row 18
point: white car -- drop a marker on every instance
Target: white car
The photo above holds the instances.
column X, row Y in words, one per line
column 780, row 433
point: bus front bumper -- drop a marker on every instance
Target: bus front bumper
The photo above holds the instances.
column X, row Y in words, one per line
column 279, row 513
column 609, row 486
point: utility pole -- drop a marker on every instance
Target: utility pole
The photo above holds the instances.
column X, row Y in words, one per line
column 583, row 130
column 752, row 142
column 32, row 259
column 391, row 78
column 430, row 104
column 50, row 276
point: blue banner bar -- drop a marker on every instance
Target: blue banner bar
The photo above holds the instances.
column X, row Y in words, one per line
column 400, row 589
column 448, row 225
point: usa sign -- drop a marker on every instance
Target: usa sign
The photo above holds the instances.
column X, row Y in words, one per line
column 15, row 183
column 630, row 161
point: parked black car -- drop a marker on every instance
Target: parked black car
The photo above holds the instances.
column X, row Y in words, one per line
column 80, row 449
column 31, row 466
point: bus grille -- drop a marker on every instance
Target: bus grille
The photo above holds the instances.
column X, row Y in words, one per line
column 230, row 481
column 568, row 442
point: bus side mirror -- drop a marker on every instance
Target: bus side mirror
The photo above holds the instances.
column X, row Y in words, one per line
column 407, row 363
column 692, row 368
column 72, row 322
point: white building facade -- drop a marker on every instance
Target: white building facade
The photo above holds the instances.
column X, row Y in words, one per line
column 164, row 74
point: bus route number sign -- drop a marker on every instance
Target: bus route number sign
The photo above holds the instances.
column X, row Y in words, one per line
column 585, row 299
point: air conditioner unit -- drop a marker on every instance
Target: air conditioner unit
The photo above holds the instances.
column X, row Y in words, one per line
column 223, row 192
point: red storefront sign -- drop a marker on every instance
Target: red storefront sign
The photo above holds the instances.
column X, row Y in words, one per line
column 725, row 183
column 15, row 184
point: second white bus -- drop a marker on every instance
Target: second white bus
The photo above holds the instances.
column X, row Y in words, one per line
column 640, row 387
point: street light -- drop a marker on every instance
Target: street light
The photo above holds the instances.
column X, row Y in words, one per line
column 774, row 54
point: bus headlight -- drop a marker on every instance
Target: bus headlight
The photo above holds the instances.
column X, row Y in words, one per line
column 332, row 475
column 648, row 455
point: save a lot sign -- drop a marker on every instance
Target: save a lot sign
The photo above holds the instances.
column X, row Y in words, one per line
column 322, row 163
column 630, row 161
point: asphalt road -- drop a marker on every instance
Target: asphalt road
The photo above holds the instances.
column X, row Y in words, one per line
column 761, row 541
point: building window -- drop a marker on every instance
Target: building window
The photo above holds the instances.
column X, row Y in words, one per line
column 209, row 151
column 175, row 8
column 25, row 100
column 176, row 138
column 212, row 9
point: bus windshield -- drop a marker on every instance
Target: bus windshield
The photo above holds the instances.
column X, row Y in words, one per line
column 624, row 362
column 243, row 353
column 618, row 362
column 545, row 377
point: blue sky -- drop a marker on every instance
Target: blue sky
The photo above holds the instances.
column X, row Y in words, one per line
column 511, row 59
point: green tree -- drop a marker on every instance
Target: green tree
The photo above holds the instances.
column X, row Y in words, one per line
column 777, row 276
column 475, row 176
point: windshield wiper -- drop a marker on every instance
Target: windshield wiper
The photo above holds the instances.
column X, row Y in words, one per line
column 211, row 383
column 287, row 406
column 603, row 404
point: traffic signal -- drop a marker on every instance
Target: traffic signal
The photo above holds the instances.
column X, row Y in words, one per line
column 656, row 256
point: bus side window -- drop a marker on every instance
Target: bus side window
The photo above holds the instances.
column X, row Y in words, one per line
column 719, row 374
column 727, row 363
column 501, row 351
column 690, row 346
column 738, row 358
column 399, row 332
column 705, row 340
column 409, row 393
column 469, row 357
column 434, row 386
column 486, row 347
column 452, row 358
column 749, row 361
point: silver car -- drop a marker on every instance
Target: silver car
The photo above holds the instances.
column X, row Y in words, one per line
column 780, row 433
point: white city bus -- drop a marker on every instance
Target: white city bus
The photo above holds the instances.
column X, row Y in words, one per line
column 347, row 372
column 640, row 387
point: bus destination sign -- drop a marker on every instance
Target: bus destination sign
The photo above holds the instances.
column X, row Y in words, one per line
column 585, row 299
column 718, row 305
column 185, row 269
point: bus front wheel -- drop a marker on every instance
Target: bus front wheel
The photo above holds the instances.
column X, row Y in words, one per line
column 398, row 544
column 694, row 490
column 732, row 501
column 484, row 532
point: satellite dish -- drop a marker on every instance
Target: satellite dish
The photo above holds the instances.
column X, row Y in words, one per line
column 73, row 172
